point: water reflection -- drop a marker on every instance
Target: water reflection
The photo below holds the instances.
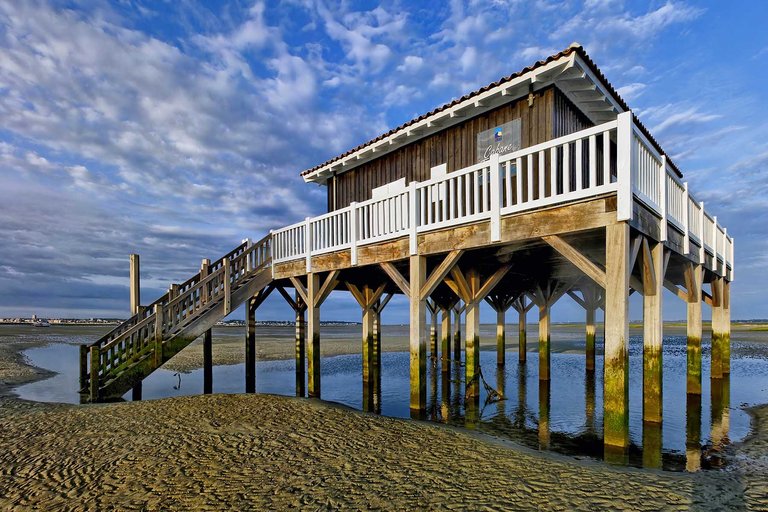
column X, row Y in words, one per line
column 544, row 398
column 693, row 432
column 564, row 414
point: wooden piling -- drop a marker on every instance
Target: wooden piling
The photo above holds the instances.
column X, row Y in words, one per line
column 616, row 370
column 418, row 336
column 653, row 327
column 250, row 346
column 313, row 335
column 300, row 354
column 544, row 339
column 136, row 392
column 501, row 349
column 94, row 378
column 544, row 403
column 208, row 362
column 472, row 337
column 590, row 342
column 457, row 334
column 693, row 432
column 694, row 276
column 83, row 366
column 720, row 329
column 158, row 335
column 522, row 336
column 445, row 342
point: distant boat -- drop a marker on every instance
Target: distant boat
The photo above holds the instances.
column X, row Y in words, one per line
column 41, row 323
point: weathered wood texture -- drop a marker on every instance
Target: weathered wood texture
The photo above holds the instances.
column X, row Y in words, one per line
column 552, row 115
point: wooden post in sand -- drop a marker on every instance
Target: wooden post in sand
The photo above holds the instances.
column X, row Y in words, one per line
column 208, row 362
column 135, row 283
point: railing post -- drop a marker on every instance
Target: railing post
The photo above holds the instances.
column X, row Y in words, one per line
column 725, row 252
column 248, row 256
column 270, row 247
column 663, row 199
column 733, row 263
column 158, row 334
column 308, row 242
column 204, row 270
column 227, row 286
column 353, row 232
column 686, row 234
column 413, row 218
column 624, row 166
column 94, row 384
column 495, row 199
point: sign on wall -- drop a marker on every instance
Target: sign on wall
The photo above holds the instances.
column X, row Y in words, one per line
column 501, row 139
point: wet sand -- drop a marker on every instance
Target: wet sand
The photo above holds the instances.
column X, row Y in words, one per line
column 265, row 452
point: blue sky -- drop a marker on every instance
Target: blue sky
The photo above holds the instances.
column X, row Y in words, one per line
column 174, row 128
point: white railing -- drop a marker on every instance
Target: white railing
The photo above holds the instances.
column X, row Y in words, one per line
column 647, row 171
column 614, row 157
column 676, row 202
column 694, row 220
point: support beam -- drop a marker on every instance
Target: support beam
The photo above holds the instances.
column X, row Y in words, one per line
column 616, row 371
column 208, row 362
column 440, row 272
column 653, row 330
column 418, row 340
column 397, row 278
column 575, row 256
column 694, row 275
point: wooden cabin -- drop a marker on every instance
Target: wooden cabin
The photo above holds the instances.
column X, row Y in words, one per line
column 539, row 186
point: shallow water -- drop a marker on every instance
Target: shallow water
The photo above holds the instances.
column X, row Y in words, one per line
column 691, row 437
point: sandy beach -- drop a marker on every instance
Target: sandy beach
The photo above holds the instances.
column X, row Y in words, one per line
column 265, row 452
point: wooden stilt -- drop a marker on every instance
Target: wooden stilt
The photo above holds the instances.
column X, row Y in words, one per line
column 445, row 341
column 545, row 297
column 208, row 362
column 544, row 402
column 694, row 278
column 472, row 337
column 418, row 339
column 433, row 312
column 616, row 371
column 720, row 328
column 136, row 392
column 301, row 343
column 458, row 310
column 367, row 298
column 693, row 432
column 653, row 281
column 250, row 347
column 522, row 305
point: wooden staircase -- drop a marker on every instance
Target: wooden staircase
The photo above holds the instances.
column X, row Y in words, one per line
column 114, row 364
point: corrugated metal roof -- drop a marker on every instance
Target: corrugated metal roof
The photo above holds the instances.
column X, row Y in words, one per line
column 575, row 47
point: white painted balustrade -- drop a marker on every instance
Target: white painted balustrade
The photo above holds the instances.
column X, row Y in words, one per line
column 611, row 158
